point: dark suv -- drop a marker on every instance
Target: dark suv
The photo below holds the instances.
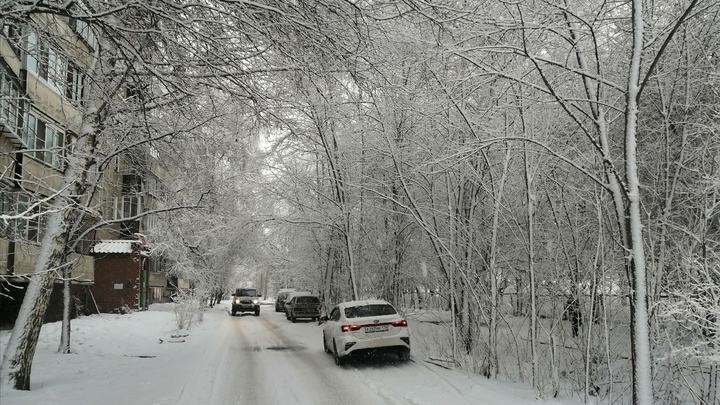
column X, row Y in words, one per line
column 303, row 306
column 246, row 300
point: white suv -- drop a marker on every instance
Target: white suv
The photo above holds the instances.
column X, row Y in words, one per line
column 365, row 326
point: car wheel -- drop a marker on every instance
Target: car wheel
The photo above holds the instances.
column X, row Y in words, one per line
column 292, row 318
column 233, row 313
column 339, row 361
column 257, row 312
column 404, row 355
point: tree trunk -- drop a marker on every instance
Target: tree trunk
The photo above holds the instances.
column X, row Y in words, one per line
column 327, row 278
column 494, row 274
column 640, row 333
column 19, row 353
column 530, row 200
column 17, row 358
column 67, row 311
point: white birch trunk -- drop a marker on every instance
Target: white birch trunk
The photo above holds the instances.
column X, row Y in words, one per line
column 640, row 332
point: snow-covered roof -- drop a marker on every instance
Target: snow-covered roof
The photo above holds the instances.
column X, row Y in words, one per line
column 114, row 246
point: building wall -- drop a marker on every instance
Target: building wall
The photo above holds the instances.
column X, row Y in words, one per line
column 4, row 251
column 117, row 281
column 33, row 170
column 83, row 268
column 25, row 254
column 13, row 294
column 7, row 161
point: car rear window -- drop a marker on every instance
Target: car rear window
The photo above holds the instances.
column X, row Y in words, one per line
column 308, row 300
column 369, row 310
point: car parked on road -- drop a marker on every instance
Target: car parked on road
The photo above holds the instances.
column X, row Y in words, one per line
column 290, row 297
column 245, row 300
column 303, row 306
column 282, row 298
column 356, row 327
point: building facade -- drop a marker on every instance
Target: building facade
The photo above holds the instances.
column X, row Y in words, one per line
column 42, row 87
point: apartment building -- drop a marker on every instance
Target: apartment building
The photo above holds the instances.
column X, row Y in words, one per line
column 42, row 87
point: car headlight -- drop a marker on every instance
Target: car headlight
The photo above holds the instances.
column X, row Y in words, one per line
column 237, row 300
column 256, row 301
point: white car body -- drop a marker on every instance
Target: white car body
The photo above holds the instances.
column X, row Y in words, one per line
column 362, row 326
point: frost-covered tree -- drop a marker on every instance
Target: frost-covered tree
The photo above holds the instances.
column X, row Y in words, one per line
column 151, row 65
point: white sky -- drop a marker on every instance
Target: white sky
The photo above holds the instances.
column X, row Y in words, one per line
column 245, row 359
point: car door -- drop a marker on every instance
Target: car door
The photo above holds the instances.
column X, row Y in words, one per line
column 331, row 326
column 289, row 306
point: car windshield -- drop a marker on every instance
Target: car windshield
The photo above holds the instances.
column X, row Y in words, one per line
column 246, row 292
column 308, row 300
column 369, row 310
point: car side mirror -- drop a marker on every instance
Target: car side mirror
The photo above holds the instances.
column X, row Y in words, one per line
column 323, row 319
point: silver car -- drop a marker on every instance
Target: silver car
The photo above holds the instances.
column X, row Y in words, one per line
column 365, row 326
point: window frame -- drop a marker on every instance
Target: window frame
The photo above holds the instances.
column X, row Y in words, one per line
column 29, row 229
column 49, row 65
column 45, row 140
column 120, row 203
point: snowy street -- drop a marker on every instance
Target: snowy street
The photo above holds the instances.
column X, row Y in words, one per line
column 119, row 359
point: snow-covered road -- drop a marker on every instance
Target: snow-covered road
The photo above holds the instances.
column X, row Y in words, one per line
column 225, row 360
column 268, row 360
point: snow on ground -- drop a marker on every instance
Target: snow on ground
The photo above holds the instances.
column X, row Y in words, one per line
column 140, row 358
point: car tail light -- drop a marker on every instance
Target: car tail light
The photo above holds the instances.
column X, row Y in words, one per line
column 400, row 323
column 346, row 328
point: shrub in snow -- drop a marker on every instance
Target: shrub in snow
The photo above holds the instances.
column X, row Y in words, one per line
column 188, row 308
column 125, row 309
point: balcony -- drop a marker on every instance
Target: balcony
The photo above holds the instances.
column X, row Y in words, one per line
column 12, row 105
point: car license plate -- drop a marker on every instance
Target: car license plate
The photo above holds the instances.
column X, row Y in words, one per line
column 379, row 328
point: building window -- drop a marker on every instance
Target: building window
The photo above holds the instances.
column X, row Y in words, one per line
column 54, row 142
column 11, row 101
column 126, row 206
column 56, row 72
column 13, row 34
column 33, row 53
column 31, row 225
column 149, row 223
column 48, row 64
column 155, row 188
column 75, row 84
column 28, row 219
column 30, row 132
column 46, row 141
column 85, row 32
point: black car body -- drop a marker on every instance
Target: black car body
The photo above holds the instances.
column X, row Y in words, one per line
column 303, row 306
column 246, row 300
